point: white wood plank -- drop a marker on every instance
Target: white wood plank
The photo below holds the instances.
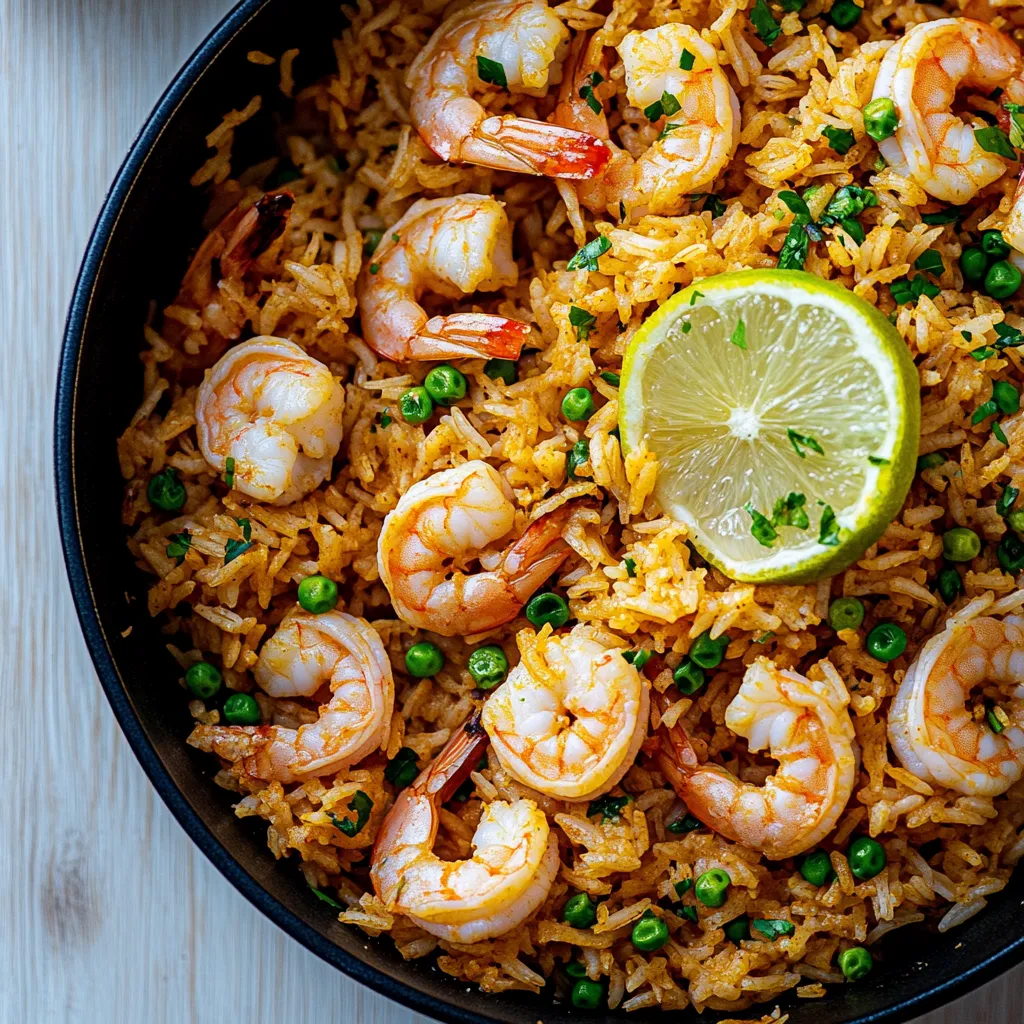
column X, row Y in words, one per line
column 108, row 913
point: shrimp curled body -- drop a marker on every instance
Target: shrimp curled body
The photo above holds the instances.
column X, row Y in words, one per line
column 807, row 729
column 514, row 862
column 307, row 652
column 451, row 247
column 443, row 522
column 522, row 36
column 571, row 716
column 931, row 730
column 695, row 142
column 921, row 75
column 275, row 411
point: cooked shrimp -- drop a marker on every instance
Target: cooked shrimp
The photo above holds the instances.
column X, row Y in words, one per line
column 452, row 247
column 227, row 253
column 569, row 719
column 523, row 37
column 275, row 411
column 695, row 142
column 442, row 523
column 931, row 730
column 807, row 730
column 921, row 75
column 1013, row 232
column 514, row 862
column 306, row 653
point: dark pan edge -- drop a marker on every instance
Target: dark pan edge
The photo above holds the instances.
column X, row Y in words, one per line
column 99, row 649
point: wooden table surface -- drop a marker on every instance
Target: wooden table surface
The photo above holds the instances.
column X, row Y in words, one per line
column 107, row 912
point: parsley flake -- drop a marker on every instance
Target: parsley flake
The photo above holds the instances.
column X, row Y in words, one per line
column 491, row 71
column 362, row 805
column 765, row 25
column 761, row 528
column 608, row 806
column 994, row 140
column 840, row 139
column 686, row 60
column 801, row 441
column 587, row 257
column 583, row 321
column 739, row 335
column 828, row 532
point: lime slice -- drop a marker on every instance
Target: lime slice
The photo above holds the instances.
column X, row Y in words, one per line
column 779, row 394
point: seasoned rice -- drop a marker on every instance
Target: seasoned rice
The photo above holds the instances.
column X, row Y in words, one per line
column 356, row 165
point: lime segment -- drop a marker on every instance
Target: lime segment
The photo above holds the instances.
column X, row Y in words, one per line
column 784, row 412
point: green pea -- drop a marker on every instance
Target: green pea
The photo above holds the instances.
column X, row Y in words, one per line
column 166, row 491
column 880, row 118
column 241, row 709
column 867, row 858
column 845, row 14
column 649, row 933
column 886, row 641
column 845, row 613
column 738, row 929
column 1015, row 520
column 973, row 264
column 203, row 679
column 445, row 384
column 708, row 653
column 547, row 607
column 993, row 244
column 416, row 405
column 580, row 911
column 930, row 461
column 960, row 544
column 578, row 405
column 488, row 666
column 1006, row 396
column 587, row 994
column 578, row 454
column 949, row 585
column 855, row 963
column 318, row 594
column 424, row 659
column 712, row 887
column 1002, row 280
column 502, row 369
column 688, row 677
column 817, row 868
column 1010, row 553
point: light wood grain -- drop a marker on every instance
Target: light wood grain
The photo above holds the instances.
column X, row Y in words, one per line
column 107, row 912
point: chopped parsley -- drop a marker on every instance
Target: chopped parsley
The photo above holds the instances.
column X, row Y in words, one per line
column 666, row 106
column 178, row 547
column 681, row 826
column 1016, row 112
column 765, row 25
column 630, row 565
column 761, row 528
column 1006, row 500
column 491, row 71
column 877, row 460
column 984, row 410
column 764, row 637
column 320, row 895
column 930, row 261
column 385, row 420
column 1007, row 336
column 687, row 327
column 587, row 257
column 994, row 140
column 801, row 441
column 583, row 321
column 234, row 548
column 637, row 658
column 848, row 201
column 669, row 127
column 694, row 297
column 840, row 139
column 374, row 268
column 772, row 928
column 948, row 216
column 608, row 806
column 790, row 511
column 907, row 290
column 402, row 768
column 997, row 433
column 684, row 885
column 611, row 378
column 229, row 471
column 362, row 805
column 739, row 335
column 686, row 60
column 828, row 532
column 594, row 79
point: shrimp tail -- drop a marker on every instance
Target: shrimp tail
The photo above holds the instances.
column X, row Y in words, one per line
column 535, row 147
column 469, row 335
column 262, row 225
column 538, row 553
